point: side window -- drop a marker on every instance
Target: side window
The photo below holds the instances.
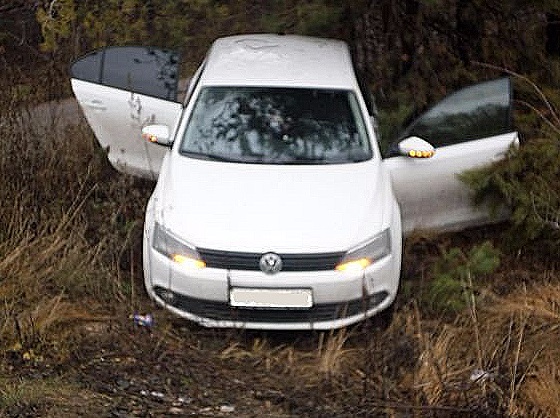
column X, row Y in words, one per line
column 475, row 112
column 144, row 70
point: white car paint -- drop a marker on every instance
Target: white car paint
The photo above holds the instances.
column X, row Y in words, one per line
column 429, row 192
column 118, row 113
column 259, row 207
column 277, row 60
column 242, row 211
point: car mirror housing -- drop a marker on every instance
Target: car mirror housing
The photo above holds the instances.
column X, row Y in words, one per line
column 157, row 134
column 415, row 147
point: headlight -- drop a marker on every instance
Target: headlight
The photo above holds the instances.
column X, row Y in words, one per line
column 173, row 248
column 367, row 253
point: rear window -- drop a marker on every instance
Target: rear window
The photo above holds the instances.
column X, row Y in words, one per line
column 265, row 125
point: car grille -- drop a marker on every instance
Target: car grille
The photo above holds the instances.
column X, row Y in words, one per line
column 250, row 261
column 223, row 311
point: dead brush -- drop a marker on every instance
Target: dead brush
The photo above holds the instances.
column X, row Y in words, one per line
column 327, row 361
column 59, row 253
column 536, row 357
column 22, row 395
column 260, row 353
column 45, row 281
column 331, row 353
column 540, row 392
column 518, row 355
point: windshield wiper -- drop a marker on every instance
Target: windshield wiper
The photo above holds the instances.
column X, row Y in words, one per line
column 204, row 156
column 305, row 160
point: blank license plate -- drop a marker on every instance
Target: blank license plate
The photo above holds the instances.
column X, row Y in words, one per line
column 271, row 298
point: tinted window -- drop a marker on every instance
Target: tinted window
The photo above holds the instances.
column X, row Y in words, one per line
column 276, row 126
column 476, row 112
column 143, row 70
column 88, row 68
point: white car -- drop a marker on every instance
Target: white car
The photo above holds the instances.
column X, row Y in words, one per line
column 274, row 207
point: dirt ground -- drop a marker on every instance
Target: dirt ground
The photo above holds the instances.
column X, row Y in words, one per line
column 119, row 369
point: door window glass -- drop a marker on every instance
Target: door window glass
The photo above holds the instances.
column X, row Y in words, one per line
column 88, row 68
column 144, row 70
column 475, row 112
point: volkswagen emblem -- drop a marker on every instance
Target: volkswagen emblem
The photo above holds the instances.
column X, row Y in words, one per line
column 270, row 263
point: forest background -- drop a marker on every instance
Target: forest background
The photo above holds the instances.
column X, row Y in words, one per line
column 476, row 329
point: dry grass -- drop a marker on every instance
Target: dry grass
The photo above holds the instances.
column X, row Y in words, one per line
column 332, row 353
column 518, row 356
column 541, row 391
column 13, row 392
column 56, row 264
column 49, row 398
column 326, row 361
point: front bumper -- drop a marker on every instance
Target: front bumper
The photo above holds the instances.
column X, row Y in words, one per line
column 223, row 315
column 339, row 298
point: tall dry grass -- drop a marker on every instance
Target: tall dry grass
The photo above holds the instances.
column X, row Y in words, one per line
column 66, row 228
column 514, row 368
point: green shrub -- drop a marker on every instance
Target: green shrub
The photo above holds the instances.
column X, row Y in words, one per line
column 527, row 181
column 453, row 276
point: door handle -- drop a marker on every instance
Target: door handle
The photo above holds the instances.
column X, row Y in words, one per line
column 95, row 104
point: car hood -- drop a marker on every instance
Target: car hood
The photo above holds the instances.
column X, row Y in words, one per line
column 280, row 208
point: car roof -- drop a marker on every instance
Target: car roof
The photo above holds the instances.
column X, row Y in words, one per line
column 279, row 60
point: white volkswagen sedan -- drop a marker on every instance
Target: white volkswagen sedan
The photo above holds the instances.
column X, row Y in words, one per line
column 275, row 207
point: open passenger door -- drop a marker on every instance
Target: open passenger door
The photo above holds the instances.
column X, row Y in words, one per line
column 122, row 89
column 469, row 128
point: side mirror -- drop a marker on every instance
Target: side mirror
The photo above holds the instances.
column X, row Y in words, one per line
column 415, row 147
column 158, row 134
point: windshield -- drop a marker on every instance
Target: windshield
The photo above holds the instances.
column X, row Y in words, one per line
column 268, row 125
